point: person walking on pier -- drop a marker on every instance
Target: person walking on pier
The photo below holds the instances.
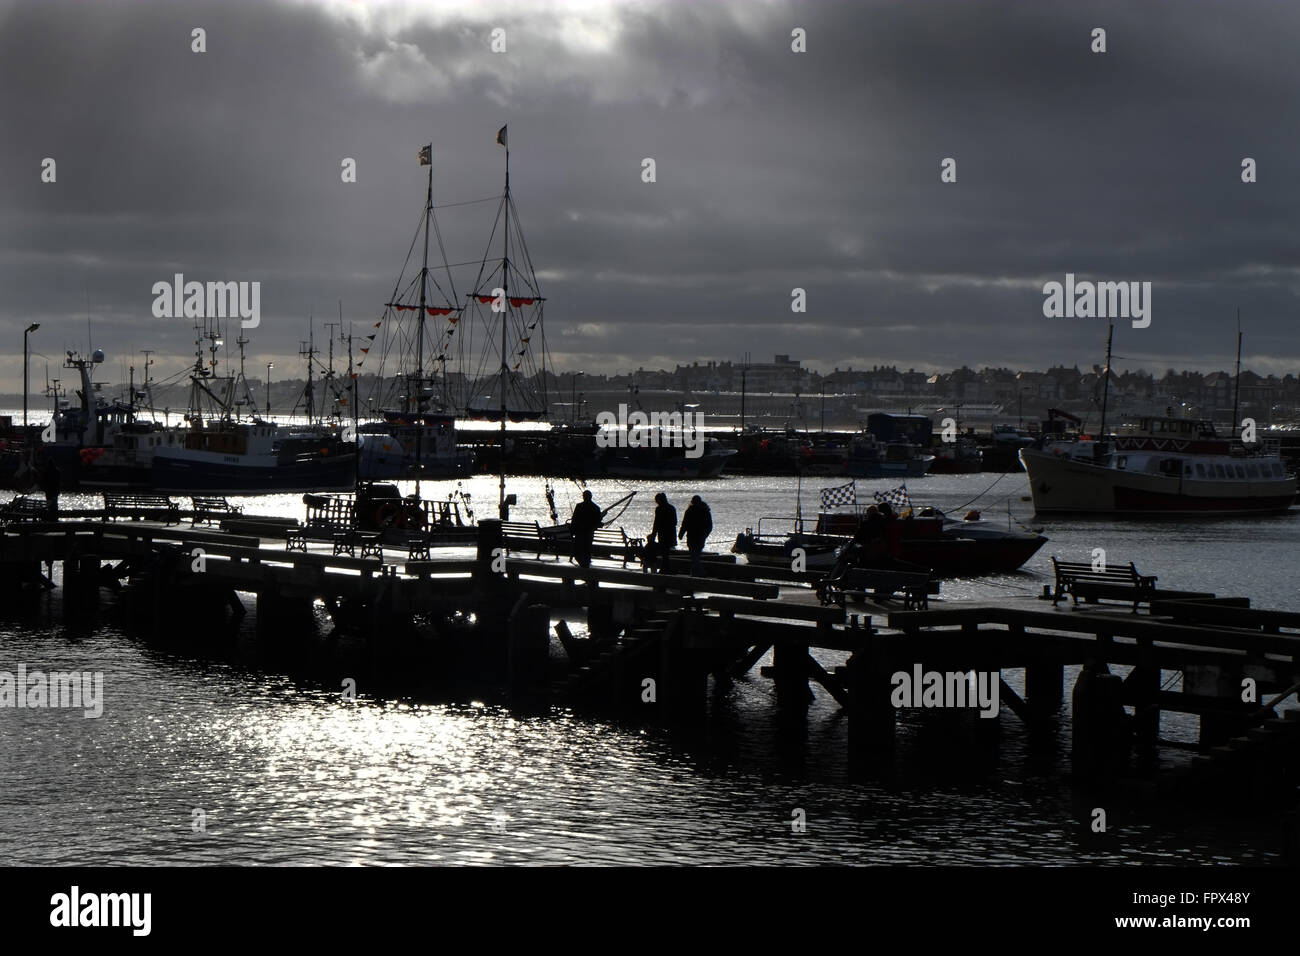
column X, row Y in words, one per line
column 583, row 525
column 51, row 484
column 663, row 535
column 697, row 523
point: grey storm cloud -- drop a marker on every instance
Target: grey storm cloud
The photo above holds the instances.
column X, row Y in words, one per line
column 775, row 170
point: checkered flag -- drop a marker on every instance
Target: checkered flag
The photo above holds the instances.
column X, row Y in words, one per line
column 897, row 499
column 843, row 495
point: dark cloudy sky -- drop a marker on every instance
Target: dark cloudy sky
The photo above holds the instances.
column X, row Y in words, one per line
column 775, row 170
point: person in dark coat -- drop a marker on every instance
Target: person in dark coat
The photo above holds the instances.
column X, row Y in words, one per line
column 697, row 523
column 583, row 525
column 663, row 534
column 51, row 483
column 871, row 532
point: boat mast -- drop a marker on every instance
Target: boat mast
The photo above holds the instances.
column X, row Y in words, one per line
column 419, row 335
column 1105, row 389
column 308, row 350
column 505, row 319
column 1236, row 385
column 144, row 389
column 352, row 377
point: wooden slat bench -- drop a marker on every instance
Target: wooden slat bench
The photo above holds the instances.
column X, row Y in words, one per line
column 915, row 586
column 526, row 533
column 23, row 509
column 1079, row 579
column 211, row 509
column 616, row 542
column 139, row 507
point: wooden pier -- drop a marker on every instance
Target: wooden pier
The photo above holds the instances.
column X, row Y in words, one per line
column 655, row 643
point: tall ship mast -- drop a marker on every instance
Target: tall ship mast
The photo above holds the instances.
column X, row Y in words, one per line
column 507, row 380
column 414, row 435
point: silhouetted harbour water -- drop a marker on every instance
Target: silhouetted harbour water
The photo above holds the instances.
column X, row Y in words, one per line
column 285, row 772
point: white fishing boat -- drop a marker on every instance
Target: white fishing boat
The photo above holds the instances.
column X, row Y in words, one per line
column 1166, row 466
column 1163, row 466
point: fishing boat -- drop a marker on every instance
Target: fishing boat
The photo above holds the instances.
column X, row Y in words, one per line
column 870, row 457
column 1165, row 466
column 960, row 457
column 221, row 453
column 105, row 444
column 892, row 446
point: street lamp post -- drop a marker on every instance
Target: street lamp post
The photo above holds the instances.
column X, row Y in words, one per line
column 823, row 408
column 26, row 332
column 269, row 366
column 573, row 397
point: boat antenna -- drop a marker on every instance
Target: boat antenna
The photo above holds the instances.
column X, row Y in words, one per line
column 1236, row 387
column 1105, row 389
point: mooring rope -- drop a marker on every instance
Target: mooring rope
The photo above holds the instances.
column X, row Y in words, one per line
column 984, row 492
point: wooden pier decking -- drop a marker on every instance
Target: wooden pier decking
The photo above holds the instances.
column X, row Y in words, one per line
column 654, row 641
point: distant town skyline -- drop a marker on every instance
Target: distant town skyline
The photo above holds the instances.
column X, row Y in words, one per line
column 786, row 390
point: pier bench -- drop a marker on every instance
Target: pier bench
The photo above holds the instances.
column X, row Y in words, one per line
column 528, row 533
column 23, row 509
column 211, row 509
column 370, row 542
column 915, row 586
column 295, row 539
column 417, row 545
column 1080, row 579
column 138, row 507
column 616, row 542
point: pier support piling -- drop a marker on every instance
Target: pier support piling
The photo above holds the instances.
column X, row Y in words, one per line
column 1101, row 727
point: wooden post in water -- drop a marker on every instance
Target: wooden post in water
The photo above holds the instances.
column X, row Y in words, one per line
column 80, row 586
column 790, row 665
column 1101, row 732
column 1215, row 680
column 1144, row 679
column 871, row 712
column 1044, row 677
column 1044, row 687
column 683, row 680
column 529, row 652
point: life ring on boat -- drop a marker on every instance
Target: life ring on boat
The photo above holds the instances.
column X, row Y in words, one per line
column 389, row 515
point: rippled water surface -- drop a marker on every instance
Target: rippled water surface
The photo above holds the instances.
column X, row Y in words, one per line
column 279, row 770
